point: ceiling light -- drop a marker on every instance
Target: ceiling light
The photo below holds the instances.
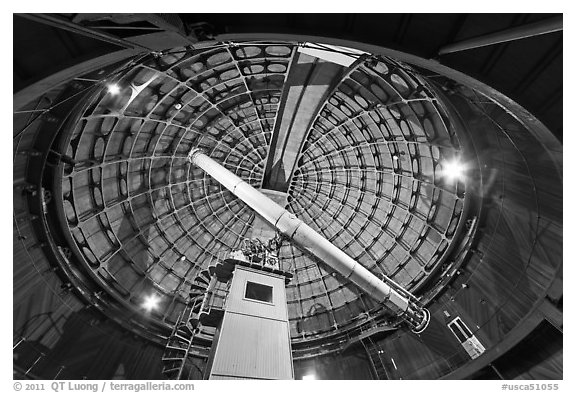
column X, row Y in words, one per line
column 151, row 302
column 309, row 377
column 453, row 170
column 113, row 89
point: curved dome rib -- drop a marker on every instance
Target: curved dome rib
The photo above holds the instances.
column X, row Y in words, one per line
column 367, row 180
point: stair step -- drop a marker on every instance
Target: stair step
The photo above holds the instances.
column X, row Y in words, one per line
column 176, row 348
column 179, row 343
column 182, row 334
column 201, row 337
column 171, row 357
column 185, row 328
column 171, row 350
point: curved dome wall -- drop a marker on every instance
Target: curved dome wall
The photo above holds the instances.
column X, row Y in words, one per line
column 133, row 217
column 505, row 283
column 368, row 176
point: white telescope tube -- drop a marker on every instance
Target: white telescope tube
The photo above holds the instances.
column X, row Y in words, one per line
column 304, row 236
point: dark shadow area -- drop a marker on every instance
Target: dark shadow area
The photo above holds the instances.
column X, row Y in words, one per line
column 91, row 347
column 524, row 362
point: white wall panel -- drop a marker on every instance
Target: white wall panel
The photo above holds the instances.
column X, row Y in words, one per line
column 253, row 347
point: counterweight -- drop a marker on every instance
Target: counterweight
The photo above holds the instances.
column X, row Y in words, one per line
column 397, row 300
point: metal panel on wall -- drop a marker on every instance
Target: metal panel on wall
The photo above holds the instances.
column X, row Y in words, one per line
column 254, row 340
column 237, row 303
column 253, row 347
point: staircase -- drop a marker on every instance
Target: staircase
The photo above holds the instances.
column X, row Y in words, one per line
column 176, row 361
column 175, row 357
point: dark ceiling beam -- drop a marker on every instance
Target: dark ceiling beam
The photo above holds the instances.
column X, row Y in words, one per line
column 350, row 23
column 403, row 28
column 452, row 34
column 499, row 50
column 456, row 28
column 550, row 101
column 33, row 91
column 67, row 41
column 64, row 24
column 19, row 70
column 546, row 26
column 543, row 63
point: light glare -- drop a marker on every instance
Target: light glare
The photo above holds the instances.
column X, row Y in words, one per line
column 309, row 377
column 151, row 302
column 453, row 170
column 113, row 89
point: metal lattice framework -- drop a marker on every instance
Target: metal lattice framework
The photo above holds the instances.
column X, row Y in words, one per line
column 366, row 177
column 368, row 180
column 142, row 218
